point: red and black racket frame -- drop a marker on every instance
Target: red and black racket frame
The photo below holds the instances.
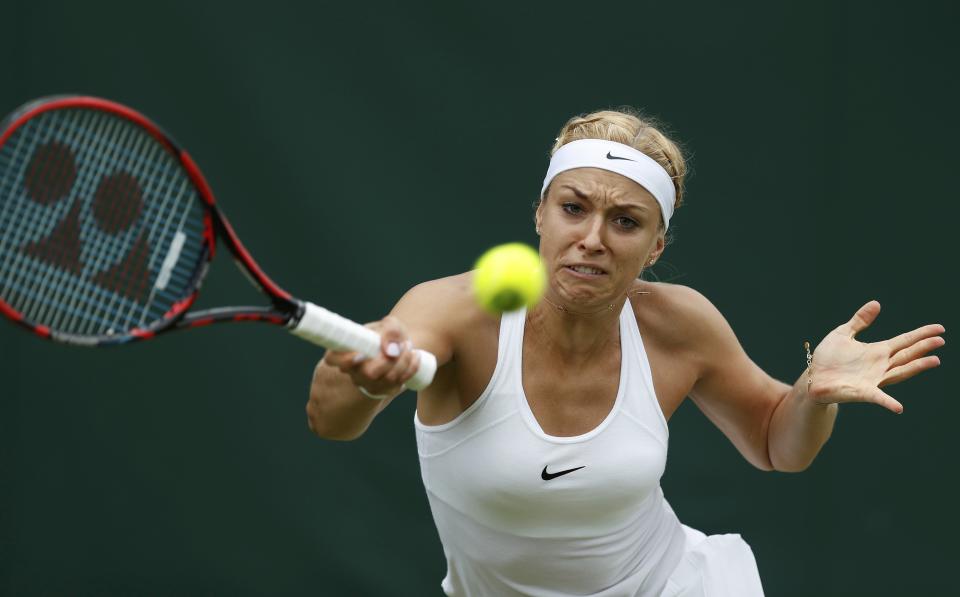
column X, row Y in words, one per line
column 285, row 310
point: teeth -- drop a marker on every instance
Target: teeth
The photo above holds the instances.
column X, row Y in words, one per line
column 585, row 270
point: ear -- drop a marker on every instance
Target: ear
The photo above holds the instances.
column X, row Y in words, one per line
column 658, row 249
column 538, row 216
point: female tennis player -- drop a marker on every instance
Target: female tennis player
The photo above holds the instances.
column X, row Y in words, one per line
column 543, row 437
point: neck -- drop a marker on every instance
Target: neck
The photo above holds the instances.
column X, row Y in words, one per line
column 575, row 333
column 562, row 309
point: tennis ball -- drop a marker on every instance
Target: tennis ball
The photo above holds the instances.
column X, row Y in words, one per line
column 508, row 277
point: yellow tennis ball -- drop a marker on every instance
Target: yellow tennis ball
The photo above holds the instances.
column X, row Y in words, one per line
column 508, row 277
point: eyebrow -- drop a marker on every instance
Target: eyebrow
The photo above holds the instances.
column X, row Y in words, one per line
column 583, row 195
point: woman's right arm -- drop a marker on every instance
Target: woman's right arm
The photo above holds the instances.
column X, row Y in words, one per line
column 337, row 409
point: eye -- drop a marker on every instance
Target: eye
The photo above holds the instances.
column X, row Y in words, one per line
column 625, row 222
column 572, row 208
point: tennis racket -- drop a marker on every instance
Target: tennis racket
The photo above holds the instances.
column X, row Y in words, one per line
column 107, row 229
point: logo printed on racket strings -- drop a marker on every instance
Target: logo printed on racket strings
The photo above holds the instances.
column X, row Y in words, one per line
column 548, row 476
column 114, row 209
column 614, row 157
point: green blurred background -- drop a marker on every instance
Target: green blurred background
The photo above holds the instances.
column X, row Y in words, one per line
column 360, row 149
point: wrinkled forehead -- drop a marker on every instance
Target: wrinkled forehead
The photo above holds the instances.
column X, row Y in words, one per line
column 603, row 187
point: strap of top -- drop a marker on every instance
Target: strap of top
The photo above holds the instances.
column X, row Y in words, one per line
column 642, row 402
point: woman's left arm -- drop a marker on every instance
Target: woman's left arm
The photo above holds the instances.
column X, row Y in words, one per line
column 845, row 370
column 778, row 427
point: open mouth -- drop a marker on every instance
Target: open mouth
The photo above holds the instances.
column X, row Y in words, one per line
column 585, row 270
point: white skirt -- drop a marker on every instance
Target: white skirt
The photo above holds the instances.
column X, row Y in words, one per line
column 714, row 566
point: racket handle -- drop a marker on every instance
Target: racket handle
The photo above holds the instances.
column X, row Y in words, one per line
column 326, row 328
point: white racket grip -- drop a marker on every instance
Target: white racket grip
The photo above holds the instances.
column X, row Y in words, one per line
column 326, row 328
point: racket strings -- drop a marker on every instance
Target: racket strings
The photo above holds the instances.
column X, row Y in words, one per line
column 68, row 289
column 47, row 249
column 89, row 206
column 17, row 223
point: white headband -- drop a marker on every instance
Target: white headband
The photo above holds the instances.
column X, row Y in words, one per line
column 619, row 158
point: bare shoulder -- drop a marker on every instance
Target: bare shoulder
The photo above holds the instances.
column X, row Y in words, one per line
column 445, row 300
column 673, row 320
column 438, row 312
column 451, row 288
column 679, row 315
column 443, row 317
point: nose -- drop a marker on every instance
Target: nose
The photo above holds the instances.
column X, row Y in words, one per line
column 592, row 239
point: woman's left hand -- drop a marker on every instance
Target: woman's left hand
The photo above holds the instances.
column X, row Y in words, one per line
column 845, row 370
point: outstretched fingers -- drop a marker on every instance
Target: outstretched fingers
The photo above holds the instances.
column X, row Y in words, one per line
column 916, row 351
column 898, row 374
column 908, row 339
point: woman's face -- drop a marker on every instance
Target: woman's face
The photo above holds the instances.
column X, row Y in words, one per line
column 597, row 231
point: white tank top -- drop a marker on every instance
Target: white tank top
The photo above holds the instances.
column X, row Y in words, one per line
column 521, row 512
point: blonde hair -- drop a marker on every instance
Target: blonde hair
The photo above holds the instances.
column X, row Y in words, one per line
column 630, row 127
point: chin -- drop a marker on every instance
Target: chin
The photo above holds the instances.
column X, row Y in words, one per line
column 583, row 296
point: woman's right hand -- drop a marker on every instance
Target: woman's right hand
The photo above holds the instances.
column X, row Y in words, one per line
column 384, row 374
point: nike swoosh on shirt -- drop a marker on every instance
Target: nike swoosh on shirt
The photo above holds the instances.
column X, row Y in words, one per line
column 547, row 476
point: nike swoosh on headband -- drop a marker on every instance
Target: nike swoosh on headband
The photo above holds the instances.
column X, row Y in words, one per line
column 613, row 157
